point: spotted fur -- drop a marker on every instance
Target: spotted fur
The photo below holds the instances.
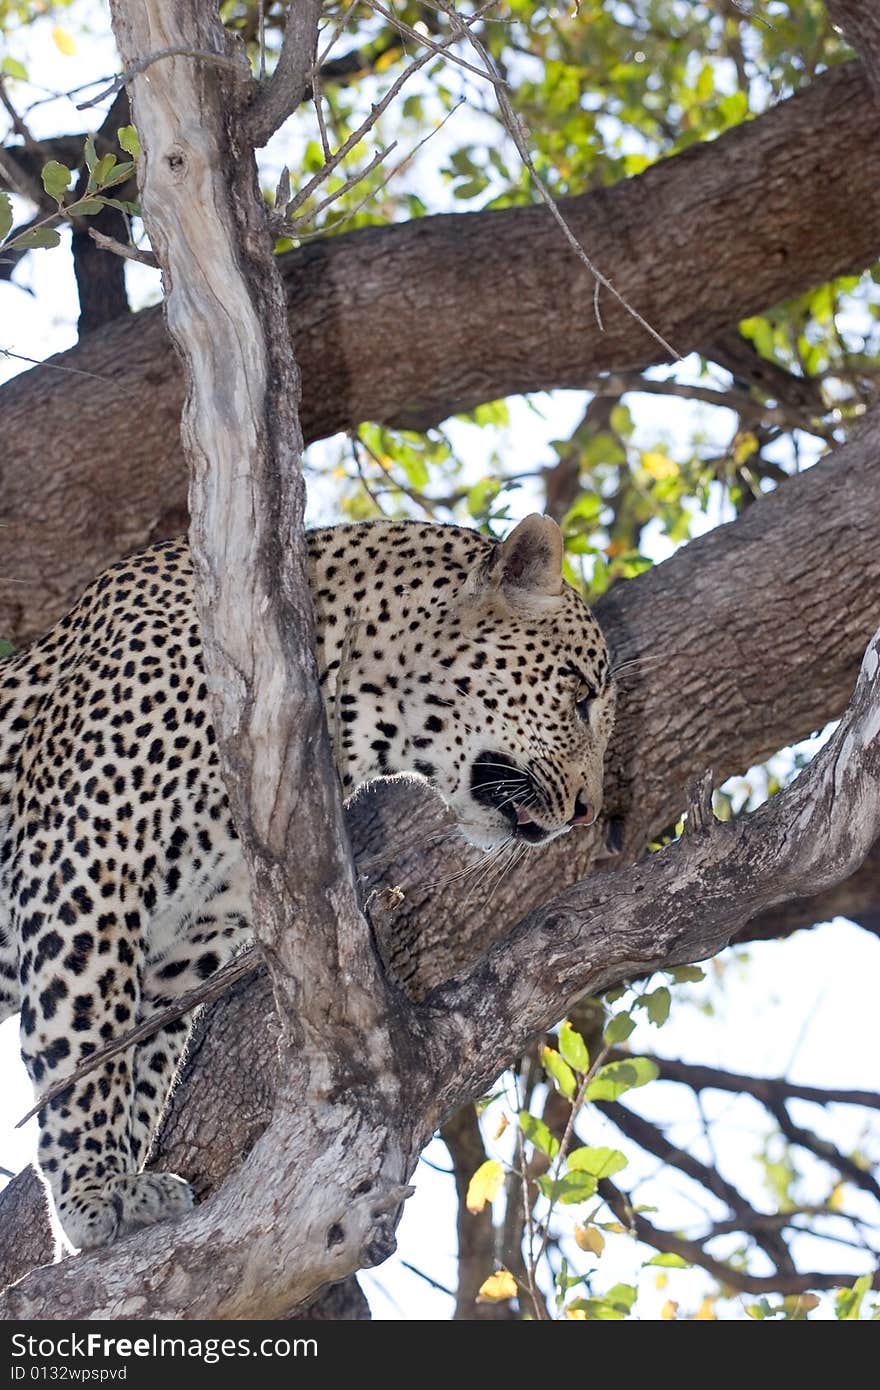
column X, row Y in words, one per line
column 440, row 652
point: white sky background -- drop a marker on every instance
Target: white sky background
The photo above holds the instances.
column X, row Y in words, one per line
column 804, row 1008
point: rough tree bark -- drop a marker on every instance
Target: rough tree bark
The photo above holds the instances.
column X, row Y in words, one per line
column 410, row 322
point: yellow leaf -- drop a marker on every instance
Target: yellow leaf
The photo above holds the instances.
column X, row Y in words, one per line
column 659, row 466
column 484, row 1185
column 744, row 445
column 615, row 548
column 505, row 1121
column 706, row 1311
column 386, row 60
column 588, row 1238
column 836, row 1198
column 575, row 1314
column 669, row 1310
column 661, row 1279
column 63, row 42
column 497, row 1288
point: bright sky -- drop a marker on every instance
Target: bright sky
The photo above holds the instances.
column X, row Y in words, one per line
column 804, row 1007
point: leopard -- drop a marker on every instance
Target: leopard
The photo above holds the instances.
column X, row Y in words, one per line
column 443, row 654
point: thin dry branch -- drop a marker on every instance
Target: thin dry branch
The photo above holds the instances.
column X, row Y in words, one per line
column 369, row 122
column 729, row 1276
column 134, row 70
column 766, row 1089
column 244, row 964
column 119, row 248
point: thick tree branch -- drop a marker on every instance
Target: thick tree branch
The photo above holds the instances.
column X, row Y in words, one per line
column 287, row 86
column 100, row 279
column 857, row 898
column 860, row 23
column 360, row 303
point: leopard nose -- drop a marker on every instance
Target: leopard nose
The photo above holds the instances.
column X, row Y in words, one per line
column 584, row 811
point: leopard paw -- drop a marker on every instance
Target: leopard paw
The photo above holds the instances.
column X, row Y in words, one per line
column 97, row 1216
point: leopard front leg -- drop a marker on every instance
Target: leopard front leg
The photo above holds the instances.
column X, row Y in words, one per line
column 80, row 991
column 207, row 941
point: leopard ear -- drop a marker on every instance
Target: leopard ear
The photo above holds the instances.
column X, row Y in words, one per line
column 528, row 564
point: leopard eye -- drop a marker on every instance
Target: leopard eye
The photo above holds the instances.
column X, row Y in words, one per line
column 584, row 697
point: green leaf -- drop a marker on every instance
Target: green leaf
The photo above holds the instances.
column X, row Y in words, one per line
column 573, row 1048
column 86, row 207
column 90, row 156
column 560, row 1073
column 848, row 1302
column 120, row 174
column 687, row 974
column 538, row 1134
column 616, row 1304
column 128, row 140
column 570, row 1189
column 415, row 468
column 11, row 67
column 622, row 1296
column 471, row 188
column 612, row 1081
column 103, row 169
column 56, row 179
column 5, row 215
column 657, row 1005
column 618, row 1028
column 600, row 1163
column 37, row 238
column 595, row 1309
column 667, row 1261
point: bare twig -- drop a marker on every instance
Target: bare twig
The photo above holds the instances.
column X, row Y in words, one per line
column 244, row 964
column 763, row 1088
column 318, row 102
column 118, row 248
column 619, row 383
column 441, row 48
column 353, row 212
column 375, row 112
column 349, row 184
column 218, row 60
column 537, row 1303
column 727, row 1275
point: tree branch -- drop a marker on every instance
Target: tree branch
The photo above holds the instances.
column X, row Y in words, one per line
column 729, row 1276
column 287, row 86
column 860, row 24
column 360, row 302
